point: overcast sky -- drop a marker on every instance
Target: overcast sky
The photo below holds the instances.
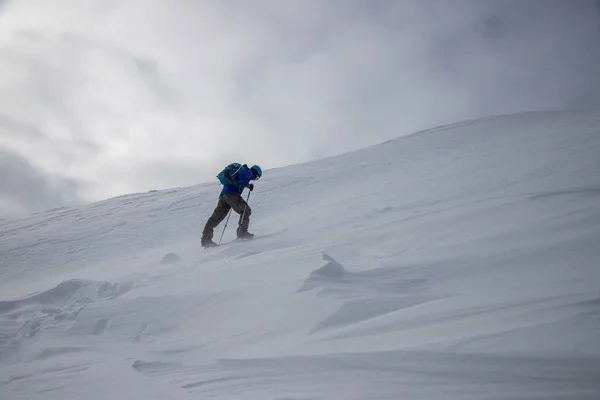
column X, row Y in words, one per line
column 102, row 98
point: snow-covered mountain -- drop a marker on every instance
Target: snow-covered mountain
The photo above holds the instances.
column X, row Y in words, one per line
column 462, row 262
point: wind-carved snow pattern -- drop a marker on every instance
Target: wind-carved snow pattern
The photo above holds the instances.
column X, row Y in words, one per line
column 334, row 278
column 368, row 294
column 56, row 309
column 361, row 375
column 170, row 258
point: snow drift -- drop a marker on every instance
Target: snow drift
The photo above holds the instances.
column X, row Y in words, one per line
column 462, row 262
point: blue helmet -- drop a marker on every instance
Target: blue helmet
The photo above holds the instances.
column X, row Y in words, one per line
column 257, row 170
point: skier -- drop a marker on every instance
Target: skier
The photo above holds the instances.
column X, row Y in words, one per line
column 235, row 179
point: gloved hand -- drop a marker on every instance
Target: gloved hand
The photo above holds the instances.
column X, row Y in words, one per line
column 251, row 186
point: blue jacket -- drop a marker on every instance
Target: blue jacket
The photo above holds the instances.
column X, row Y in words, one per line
column 243, row 178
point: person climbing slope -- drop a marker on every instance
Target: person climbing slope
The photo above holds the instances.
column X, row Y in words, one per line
column 235, row 178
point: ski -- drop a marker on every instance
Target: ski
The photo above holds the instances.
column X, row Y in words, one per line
column 247, row 240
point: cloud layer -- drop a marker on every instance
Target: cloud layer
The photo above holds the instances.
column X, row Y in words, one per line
column 23, row 188
column 132, row 95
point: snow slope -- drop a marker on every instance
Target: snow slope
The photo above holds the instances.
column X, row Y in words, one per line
column 461, row 262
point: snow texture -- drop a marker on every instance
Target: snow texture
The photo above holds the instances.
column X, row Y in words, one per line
column 462, row 262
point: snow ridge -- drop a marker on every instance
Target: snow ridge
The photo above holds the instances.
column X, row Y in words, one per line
column 456, row 263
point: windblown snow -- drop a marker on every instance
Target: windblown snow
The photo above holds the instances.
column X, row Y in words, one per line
column 462, row 262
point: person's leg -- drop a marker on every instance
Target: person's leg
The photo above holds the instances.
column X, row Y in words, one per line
column 241, row 207
column 215, row 219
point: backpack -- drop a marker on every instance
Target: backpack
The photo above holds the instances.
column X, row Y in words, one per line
column 227, row 176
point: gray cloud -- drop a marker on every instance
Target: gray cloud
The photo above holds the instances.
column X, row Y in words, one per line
column 162, row 94
column 382, row 70
column 24, row 189
column 10, row 124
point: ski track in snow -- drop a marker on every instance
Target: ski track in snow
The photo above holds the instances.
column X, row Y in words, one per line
column 461, row 262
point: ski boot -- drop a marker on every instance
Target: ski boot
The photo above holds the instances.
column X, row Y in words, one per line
column 244, row 235
column 206, row 243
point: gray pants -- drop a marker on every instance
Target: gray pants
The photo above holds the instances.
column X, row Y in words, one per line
column 227, row 202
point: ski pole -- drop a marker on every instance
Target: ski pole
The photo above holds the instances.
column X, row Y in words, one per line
column 226, row 222
column 244, row 213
